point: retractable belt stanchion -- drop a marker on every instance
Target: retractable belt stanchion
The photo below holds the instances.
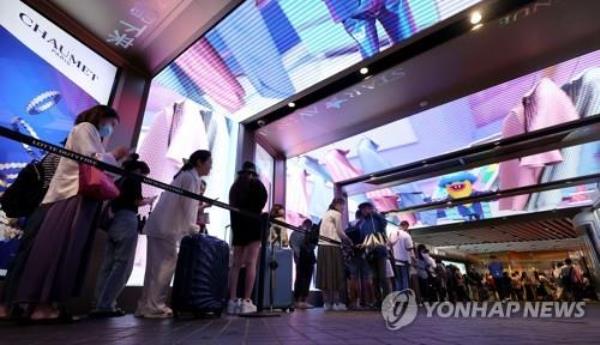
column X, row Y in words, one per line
column 82, row 159
column 260, row 298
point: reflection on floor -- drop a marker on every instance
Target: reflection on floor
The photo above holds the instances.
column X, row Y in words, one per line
column 312, row 327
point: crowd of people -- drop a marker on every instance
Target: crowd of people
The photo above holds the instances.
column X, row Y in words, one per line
column 357, row 266
column 366, row 265
column 565, row 281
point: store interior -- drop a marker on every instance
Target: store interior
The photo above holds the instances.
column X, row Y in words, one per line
column 485, row 143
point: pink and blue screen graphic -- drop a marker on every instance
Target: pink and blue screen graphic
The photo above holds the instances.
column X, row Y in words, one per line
column 265, row 51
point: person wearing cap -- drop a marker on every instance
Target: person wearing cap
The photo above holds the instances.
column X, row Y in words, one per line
column 249, row 194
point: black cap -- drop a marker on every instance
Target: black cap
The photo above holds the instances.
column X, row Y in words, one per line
column 248, row 167
column 365, row 205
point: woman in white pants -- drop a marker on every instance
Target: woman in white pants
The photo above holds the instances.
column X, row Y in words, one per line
column 173, row 218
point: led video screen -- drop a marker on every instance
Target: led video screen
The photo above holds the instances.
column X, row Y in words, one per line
column 551, row 96
column 575, row 196
column 260, row 54
column 266, row 51
column 46, row 78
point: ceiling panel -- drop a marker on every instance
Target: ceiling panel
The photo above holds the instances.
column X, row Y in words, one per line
column 502, row 233
column 528, row 246
column 148, row 33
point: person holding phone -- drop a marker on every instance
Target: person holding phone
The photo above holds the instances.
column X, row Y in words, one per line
column 122, row 239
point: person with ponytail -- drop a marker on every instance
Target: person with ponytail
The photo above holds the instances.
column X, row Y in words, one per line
column 122, row 239
column 174, row 217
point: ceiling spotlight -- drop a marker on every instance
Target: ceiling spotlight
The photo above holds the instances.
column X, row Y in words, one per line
column 477, row 27
column 364, row 70
column 292, row 105
column 476, row 17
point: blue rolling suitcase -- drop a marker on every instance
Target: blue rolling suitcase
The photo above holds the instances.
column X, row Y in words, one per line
column 278, row 282
column 200, row 285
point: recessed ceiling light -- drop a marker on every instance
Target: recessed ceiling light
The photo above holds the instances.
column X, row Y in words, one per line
column 476, row 17
column 292, row 105
column 364, row 70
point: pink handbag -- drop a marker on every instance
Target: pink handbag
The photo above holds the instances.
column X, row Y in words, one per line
column 95, row 184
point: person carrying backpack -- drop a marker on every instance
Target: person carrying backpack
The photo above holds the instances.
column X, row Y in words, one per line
column 571, row 280
column 22, row 199
column 372, row 228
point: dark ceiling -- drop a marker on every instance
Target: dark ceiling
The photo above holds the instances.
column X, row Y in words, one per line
column 552, row 225
column 500, row 50
column 166, row 27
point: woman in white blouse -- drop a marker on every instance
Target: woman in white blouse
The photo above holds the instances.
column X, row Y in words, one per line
column 174, row 217
column 330, row 266
column 56, row 265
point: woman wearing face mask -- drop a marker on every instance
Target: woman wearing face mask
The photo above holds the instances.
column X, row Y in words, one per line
column 174, row 217
column 122, row 239
column 56, row 266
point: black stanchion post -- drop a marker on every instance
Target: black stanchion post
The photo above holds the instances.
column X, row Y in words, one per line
column 264, row 225
column 260, row 296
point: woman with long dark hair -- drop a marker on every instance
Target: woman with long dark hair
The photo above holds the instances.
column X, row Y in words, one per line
column 249, row 194
column 174, row 217
column 56, row 266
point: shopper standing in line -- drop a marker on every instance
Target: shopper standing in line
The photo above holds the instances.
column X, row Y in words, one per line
column 57, row 264
column 303, row 244
column 404, row 255
column 330, row 266
column 249, row 194
column 122, row 239
column 174, row 217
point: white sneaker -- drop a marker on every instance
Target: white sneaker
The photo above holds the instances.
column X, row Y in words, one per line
column 328, row 307
column 304, row 305
column 340, row 307
column 248, row 307
column 167, row 310
column 234, row 306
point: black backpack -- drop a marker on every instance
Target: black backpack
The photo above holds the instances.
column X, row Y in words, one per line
column 26, row 193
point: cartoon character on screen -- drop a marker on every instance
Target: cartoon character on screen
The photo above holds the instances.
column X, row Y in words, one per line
column 459, row 186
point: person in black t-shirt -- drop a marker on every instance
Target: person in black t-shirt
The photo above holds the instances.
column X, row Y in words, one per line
column 122, row 240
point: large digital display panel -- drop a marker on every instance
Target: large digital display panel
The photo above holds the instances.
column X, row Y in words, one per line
column 46, row 78
column 564, row 92
column 576, row 196
column 266, row 50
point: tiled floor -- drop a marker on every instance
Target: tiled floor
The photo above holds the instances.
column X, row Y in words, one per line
column 312, row 327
